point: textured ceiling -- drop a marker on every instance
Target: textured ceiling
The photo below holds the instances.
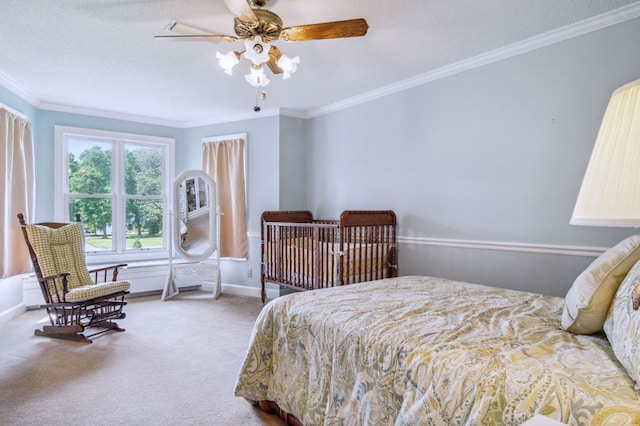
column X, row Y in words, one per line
column 101, row 55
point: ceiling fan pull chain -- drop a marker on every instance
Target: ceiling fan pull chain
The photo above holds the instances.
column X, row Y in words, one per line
column 259, row 97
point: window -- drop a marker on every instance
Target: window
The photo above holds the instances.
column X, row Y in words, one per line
column 119, row 184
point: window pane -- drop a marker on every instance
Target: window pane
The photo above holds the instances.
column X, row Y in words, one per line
column 144, row 224
column 119, row 184
column 89, row 166
column 96, row 217
column 143, row 170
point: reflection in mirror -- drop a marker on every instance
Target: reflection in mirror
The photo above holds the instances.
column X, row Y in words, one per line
column 194, row 226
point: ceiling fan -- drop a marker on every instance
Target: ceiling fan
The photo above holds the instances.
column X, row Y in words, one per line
column 259, row 27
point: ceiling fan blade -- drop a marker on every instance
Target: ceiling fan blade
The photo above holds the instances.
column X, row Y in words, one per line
column 241, row 10
column 198, row 37
column 183, row 32
column 337, row 29
column 274, row 55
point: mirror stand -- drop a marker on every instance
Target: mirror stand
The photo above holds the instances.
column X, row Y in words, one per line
column 194, row 229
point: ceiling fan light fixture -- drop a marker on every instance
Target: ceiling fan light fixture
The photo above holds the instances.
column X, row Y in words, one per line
column 257, row 76
column 228, row 61
column 288, row 65
column 257, row 51
column 259, row 28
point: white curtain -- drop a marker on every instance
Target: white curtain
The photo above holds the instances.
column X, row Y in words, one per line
column 18, row 191
column 224, row 161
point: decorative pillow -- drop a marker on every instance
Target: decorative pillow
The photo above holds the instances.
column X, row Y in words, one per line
column 61, row 250
column 622, row 326
column 589, row 298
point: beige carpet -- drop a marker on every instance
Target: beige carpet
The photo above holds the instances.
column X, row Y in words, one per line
column 175, row 365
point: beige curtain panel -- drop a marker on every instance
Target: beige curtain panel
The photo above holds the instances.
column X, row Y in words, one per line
column 18, row 191
column 224, row 161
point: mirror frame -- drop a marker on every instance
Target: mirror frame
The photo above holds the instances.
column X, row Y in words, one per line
column 211, row 197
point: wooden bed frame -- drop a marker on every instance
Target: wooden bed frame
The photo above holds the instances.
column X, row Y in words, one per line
column 271, row 407
column 301, row 253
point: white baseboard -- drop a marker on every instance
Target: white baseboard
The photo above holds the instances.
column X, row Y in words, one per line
column 12, row 313
column 242, row 290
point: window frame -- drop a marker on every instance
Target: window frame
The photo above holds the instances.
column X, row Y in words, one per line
column 119, row 195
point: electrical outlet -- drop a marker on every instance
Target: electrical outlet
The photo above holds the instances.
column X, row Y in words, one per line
column 249, row 273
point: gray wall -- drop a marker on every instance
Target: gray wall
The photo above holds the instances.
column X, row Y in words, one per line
column 293, row 173
column 494, row 154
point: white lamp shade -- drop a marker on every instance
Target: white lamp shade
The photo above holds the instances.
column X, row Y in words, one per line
column 288, row 65
column 257, row 76
column 610, row 191
column 228, row 61
column 258, row 52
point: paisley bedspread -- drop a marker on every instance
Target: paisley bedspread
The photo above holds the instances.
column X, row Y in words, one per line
column 430, row 351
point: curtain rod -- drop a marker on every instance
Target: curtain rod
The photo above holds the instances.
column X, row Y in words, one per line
column 12, row 110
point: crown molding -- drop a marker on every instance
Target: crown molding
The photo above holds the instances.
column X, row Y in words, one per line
column 293, row 113
column 15, row 88
column 222, row 119
column 271, row 112
column 595, row 23
column 108, row 114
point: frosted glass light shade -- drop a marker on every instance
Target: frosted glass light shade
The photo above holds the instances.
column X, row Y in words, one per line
column 258, row 52
column 228, row 61
column 610, row 191
column 288, row 65
column 257, row 76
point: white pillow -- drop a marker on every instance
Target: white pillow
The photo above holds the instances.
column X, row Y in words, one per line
column 622, row 326
column 589, row 298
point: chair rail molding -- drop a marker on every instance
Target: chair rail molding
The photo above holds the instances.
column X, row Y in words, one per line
column 564, row 250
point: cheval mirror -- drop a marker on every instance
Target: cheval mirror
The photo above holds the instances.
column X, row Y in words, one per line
column 194, row 234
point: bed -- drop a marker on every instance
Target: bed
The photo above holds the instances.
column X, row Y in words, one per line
column 303, row 253
column 423, row 350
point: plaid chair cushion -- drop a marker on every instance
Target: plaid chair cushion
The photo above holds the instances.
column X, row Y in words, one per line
column 62, row 250
column 87, row 292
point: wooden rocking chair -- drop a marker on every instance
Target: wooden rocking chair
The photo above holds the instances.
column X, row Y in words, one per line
column 75, row 298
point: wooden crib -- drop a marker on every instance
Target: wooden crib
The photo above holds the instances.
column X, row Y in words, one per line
column 301, row 253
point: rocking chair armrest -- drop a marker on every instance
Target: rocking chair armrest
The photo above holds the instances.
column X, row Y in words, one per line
column 105, row 270
column 44, row 282
column 53, row 277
